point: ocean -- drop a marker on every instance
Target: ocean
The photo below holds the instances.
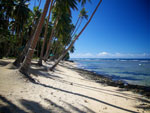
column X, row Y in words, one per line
column 133, row 71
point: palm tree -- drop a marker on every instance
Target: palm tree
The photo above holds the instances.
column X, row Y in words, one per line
column 83, row 1
column 6, row 7
column 16, row 14
column 27, row 61
column 50, row 39
column 33, row 21
column 60, row 8
column 82, row 15
column 45, row 35
column 82, row 11
column 21, row 15
column 72, row 43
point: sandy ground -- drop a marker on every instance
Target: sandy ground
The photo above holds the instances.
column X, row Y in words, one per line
column 62, row 91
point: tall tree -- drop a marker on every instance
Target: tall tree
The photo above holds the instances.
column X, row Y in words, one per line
column 50, row 39
column 33, row 21
column 72, row 43
column 14, row 14
column 21, row 16
column 60, row 8
column 27, row 61
column 82, row 15
column 45, row 36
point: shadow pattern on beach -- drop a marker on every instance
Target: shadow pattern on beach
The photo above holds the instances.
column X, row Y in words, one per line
column 38, row 108
column 88, row 97
column 9, row 107
column 42, row 72
column 35, row 107
column 4, row 63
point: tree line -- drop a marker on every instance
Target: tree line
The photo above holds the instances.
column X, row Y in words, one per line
column 46, row 33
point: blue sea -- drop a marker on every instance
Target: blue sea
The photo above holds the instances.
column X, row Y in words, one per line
column 133, row 71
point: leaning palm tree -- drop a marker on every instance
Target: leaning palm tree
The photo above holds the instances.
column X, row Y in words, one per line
column 74, row 40
column 33, row 24
column 27, row 61
column 82, row 15
column 50, row 39
column 45, row 35
column 59, row 8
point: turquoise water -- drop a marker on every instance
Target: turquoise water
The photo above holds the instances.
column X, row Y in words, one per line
column 133, row 71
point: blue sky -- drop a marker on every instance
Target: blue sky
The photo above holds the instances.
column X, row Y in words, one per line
column 120, row 28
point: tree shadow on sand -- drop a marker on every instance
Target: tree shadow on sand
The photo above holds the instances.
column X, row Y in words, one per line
column 4, row 63
column 105, row 91
column 9, row 107
column 35, row 107
column 96, row 89
column 144, row 90
column 71, row 108
column 31, row 106
column 88, row 97
column 42, row 72
column 86, row 109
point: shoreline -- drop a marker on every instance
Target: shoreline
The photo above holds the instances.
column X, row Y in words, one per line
column 106, row 80
column 66, row 90
column 130, row 71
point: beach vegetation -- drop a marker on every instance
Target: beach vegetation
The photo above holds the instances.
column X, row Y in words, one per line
column 46, row 34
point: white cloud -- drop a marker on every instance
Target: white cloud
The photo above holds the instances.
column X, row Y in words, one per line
column 102, row 54
column 82, row 55
column 110, row 55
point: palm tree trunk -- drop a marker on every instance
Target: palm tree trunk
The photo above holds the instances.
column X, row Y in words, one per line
column 21, row 36
column 23, row 53
column 39, row 3
column 50, row 39
column 21, row 57
column 77, row 28
column 72, row 43
column 27, row 61
column 8, row 52
column 45, row 34
column 53, row 52
column 76, row 25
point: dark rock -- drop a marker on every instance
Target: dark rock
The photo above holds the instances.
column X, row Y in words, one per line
column 144, row 90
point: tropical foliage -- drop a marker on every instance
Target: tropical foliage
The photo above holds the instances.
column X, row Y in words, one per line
column 26, row 33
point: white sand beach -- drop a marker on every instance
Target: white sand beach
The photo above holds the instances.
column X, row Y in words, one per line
column 63, row 91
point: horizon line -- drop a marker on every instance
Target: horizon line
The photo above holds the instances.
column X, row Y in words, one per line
column 110, row 58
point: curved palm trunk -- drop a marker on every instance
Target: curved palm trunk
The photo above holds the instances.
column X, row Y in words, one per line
column 21, row 36
column 77, row 28
column 53, row 52
column 27, row 61
column 45, row 34
column 49, row 41
column 21, row 57
column 77, row 22
column 39, row 3
column 75, row 25
column 72, row 43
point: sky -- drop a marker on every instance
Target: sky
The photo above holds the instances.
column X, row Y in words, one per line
column 119, row 29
